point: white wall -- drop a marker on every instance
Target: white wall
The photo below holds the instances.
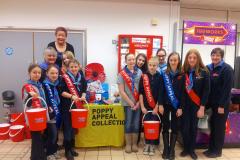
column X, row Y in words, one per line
column 207, row 15
column 102, row 20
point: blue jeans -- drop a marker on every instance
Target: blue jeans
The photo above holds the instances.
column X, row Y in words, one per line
column 132, row 118
column 52, row 138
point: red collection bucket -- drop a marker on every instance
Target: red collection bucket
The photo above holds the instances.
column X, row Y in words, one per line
column 16, row 133
column 151, row 128
column 4, row 131
column 17, row 119
column 79, row 117
column 36, row 117
column 27, row 132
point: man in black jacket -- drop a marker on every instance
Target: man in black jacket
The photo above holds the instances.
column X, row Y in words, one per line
column 221, row 75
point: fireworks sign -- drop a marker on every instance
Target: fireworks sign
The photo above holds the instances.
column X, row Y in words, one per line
column 209, row 33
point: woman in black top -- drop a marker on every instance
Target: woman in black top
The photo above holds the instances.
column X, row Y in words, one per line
column 194, row 98
column 60, row 45
column 221, row 75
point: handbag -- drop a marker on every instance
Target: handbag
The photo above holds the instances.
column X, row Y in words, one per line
column 203, row 123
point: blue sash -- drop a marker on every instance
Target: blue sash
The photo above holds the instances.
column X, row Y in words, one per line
column 170, row 92
column 53, row 103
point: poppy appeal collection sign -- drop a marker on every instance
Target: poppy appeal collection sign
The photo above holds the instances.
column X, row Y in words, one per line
column 209, row 33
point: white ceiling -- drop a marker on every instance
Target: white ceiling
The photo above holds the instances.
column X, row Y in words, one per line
column 212, row 4
column 209, row 4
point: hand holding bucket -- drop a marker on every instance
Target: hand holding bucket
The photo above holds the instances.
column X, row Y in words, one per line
column 79, row 116
column 36, row 118
column 151, row 128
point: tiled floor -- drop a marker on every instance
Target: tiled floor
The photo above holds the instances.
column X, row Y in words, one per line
column 21, row 151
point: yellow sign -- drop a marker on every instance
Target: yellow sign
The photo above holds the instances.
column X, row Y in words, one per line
column 105, row 127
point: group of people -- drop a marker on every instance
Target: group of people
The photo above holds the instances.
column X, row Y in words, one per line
column 59, row 80
column 180, row 94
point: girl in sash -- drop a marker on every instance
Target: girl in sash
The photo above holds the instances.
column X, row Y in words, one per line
column 33, row 88
column 141, row 62
column 171, row 101
column 150, row 87
column 73, row 89
column 194, row 97
column 50, row 56
column 128, row 82
column 51, row 88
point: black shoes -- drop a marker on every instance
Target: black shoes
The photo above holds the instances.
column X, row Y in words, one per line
column 213, row 155
column 210, row 154
column 183, row 153
column 69, row 155
column 193, row 155
column 74, row 153
column 207, row 152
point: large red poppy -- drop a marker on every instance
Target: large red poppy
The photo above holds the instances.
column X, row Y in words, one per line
column 94, row 72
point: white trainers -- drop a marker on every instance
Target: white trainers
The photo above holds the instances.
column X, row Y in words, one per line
column 146, row 149
column 57, row 155
column 151, row 150
column 51, row 157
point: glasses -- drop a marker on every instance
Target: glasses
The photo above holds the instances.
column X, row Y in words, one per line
column 161, row 56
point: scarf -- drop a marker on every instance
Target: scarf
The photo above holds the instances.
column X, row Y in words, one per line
column 132, row 76
column 40, row 89
column 76, row 80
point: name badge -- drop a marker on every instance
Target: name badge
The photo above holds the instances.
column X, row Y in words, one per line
column 199, row 77
column 215, row 75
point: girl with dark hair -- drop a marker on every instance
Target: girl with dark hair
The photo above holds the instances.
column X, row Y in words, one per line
column 33, row 89
column 141, row 62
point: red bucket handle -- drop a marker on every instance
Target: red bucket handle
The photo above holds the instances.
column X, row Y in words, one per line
column 2, row 134
column 15, row 133
column 74, row 102
column 25, row 107
column 150, row 112
column 16, row 118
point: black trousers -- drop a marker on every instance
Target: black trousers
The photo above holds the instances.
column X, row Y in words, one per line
column 37, row 148
column 189, row 127
column 218, row 127
column 52, row 138
column 68, row 131
column 167, row 124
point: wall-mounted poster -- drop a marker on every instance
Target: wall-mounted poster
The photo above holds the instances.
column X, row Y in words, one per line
column 209, row 33
column 136, row 44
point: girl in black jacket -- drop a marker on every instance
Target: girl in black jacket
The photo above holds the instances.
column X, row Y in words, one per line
column 171, row 102
column 194, row 98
